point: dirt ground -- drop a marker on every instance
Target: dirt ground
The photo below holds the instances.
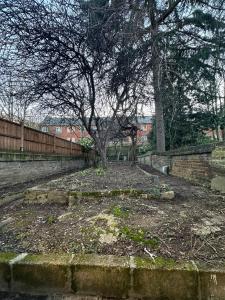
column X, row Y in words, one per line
column 191, row 226
column 118, row 176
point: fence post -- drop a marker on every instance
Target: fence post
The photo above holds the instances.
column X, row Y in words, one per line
column 54, row 145
column 22, row 136
column 71, row 147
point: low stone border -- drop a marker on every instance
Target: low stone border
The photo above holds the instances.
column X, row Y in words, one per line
column 41, row 195
column 109, row 276
column 6, row 199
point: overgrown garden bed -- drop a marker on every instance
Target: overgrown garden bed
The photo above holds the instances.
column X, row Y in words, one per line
column 190, row 226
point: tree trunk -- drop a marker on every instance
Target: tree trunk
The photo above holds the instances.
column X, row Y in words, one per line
column 160, row 128
column 134, row 146
column 103, row 155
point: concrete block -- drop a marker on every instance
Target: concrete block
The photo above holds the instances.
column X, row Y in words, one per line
column 212, row 283
column 164, row 280
column 42, row 198
column 56, row 196
column 218, row 153
column 5, row 271
column 169, row 195
column 106, row 276
column 218, row 183
column 41, row 274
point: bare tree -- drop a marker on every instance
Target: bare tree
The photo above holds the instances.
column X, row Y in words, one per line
column 77, row 57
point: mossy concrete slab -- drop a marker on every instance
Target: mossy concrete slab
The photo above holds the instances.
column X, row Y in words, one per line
column 57, row 196
column 5, row 270
column 40, row 195
column 110, row 277
column 36, row 195
column 164, row 279
column 218, row 184
column 212, row 282
column 42, row 274
column 106, row 276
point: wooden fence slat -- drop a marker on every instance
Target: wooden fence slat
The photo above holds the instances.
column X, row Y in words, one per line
column 17, row 137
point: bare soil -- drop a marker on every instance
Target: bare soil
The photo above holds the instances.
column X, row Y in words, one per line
column 191, row 226
column 118, row 176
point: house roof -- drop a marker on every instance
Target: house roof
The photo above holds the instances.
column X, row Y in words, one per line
column 144, row 119
column 58, row 121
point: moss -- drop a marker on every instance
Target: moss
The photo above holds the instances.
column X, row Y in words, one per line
column 59, row 258
column 139, row 236
column 94, row 194
column 114, row 193
column 7, row 256
column 160, row 262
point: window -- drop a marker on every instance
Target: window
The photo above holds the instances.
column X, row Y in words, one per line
column 44, row 129
column 58, row 130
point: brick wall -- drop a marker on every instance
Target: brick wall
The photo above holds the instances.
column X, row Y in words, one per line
column 21, row 168
column 194, row 167
column 203, row 164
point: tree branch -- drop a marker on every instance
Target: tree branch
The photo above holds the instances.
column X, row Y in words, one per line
column 168, row 12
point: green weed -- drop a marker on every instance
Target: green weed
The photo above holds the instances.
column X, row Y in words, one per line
column 139, row 236
column 100, row 171
column 51, row 219
column 120, row 212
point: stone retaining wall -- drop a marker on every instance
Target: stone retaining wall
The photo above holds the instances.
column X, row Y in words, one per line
column 18, row 168
column 194, row 167
column 109, row 276
column 204, row 164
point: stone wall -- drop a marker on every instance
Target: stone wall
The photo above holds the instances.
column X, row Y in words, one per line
column 194, row 167
column 201, row 164
column 18, row 168
column 109, row 277
column 158, row 162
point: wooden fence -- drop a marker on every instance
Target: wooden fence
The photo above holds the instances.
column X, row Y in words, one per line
column 17, row 137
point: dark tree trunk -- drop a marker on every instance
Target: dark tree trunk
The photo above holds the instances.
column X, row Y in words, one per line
column 102, row 151
column 160, row 128
column 103, row 157
column 133, row 150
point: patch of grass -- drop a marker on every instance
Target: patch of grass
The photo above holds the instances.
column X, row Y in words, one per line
column 139, row 236
column 120, row 212
column 84, row 172
column 100, row 171
column 51, row 219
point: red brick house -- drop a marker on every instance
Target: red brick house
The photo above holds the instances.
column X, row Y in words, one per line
column 72, row 130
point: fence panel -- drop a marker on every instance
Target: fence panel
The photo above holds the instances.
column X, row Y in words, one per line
column 16, row 137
